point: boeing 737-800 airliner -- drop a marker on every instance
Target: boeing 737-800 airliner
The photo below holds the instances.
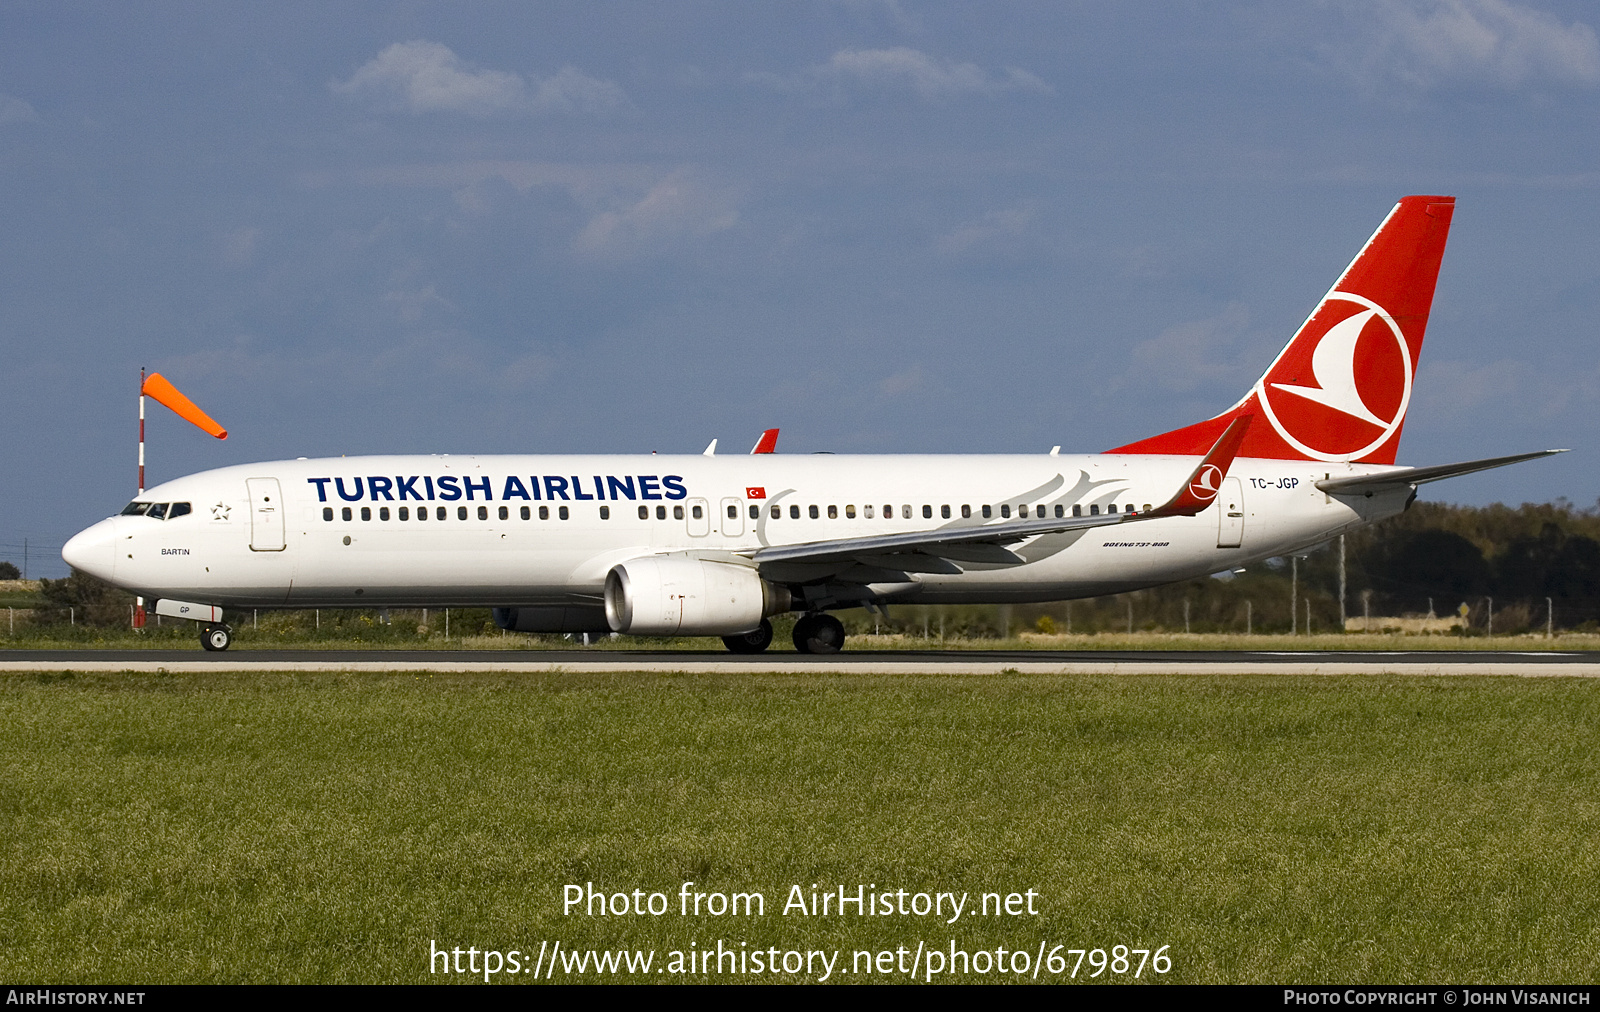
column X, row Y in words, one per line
column 709, row 545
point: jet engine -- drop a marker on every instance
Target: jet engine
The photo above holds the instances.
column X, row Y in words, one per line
column 673, row 595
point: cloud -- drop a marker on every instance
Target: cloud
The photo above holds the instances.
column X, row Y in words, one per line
column 585, row 183
column 15, row 110
column 239, row 246
column 997, row 228
column 676, row 208
column 1432, row 43
column 903, row 68
column 903, row 382
column 409, row 305
column 1190, row 355
column 1464, row 393
column 422, row 77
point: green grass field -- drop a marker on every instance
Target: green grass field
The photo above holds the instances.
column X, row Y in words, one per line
column 306, row 828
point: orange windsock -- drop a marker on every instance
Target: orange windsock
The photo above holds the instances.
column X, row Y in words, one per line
column 157, row 386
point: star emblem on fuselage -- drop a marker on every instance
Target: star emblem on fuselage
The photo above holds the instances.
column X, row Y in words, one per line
column 220, row 511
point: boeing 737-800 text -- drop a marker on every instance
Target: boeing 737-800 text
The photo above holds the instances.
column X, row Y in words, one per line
column 708, row 545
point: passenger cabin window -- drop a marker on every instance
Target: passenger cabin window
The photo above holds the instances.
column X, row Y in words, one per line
column 1061, row 511
column 422, row 512
column 1112, row 508
column 833, row 512
column 733, row 512
column 366, row 512
column 849, row 512
column 441, row 514
column 813, row 511
column 383, row 512
column 944, row 511
column 544, row 513
column 661, row 512
column 888, row 512
column 1005, row 511
column 866, row 511
column 644, row 512
column 562, row 513
column 794, row 513
column 461, row 512
column 696, row 512
column 327, row 512
column 988, row 511
column 605, row 513
column 905, row 511
column 1077, row 510
column 677, row 512
column 966, row 511
column 1129, row 508
column 777, row 513
column 1147, row 507
column 405, row 513
column 344, row 513
column 526, row 513
column 505, row 513
column 1094, row 510
column 755, row 512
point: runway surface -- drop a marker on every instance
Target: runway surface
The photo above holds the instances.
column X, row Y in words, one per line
column 1583, row 664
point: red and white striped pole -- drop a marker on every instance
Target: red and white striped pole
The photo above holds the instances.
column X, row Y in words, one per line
column 138, row 602
column 141, row 430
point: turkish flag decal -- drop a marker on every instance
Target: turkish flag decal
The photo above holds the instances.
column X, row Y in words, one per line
column 755, row 492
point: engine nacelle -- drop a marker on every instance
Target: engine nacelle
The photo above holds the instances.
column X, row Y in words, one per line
column 672, row 595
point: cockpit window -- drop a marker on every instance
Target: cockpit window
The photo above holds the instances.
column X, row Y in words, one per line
column 157, row 510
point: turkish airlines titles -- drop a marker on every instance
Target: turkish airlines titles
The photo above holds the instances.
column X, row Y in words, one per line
column 549, row 487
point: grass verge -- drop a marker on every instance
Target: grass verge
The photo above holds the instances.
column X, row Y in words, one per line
column 311, row 828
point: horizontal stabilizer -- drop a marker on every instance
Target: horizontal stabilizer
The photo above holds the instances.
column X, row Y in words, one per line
column 1370, row 484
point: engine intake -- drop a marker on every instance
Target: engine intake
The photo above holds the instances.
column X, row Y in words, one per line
column 667, row 596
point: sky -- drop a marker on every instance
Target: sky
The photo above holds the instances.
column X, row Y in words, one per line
column 883, row 227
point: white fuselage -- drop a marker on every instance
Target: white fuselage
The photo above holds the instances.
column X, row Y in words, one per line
column 277, row 534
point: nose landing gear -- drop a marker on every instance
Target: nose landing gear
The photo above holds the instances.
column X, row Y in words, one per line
column 215, row 637
column 818, row 633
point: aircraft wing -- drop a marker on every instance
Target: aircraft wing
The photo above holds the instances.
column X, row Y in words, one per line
column 985, row 542
column 1388, row 481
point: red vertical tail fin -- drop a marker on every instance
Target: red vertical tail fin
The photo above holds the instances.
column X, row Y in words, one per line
column 1340, row 389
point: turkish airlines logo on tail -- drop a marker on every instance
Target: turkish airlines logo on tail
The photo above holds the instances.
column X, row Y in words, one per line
column 1343, row 396
column 1207, row 483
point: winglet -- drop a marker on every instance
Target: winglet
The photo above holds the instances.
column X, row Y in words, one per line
column 768, row 443
column 1203, row 485
column 710, row 451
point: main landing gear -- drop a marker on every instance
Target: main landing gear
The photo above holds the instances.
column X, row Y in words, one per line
column 818, row 633
column 215, row 637
column 751, row 642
